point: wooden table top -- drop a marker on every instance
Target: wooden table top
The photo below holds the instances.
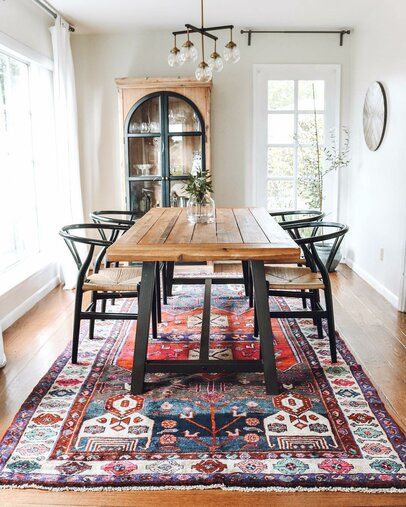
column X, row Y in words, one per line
column 164, row 234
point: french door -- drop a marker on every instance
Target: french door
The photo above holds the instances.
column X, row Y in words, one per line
column 296, row 107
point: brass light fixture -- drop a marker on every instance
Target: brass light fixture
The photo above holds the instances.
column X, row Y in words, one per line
column 188, row 52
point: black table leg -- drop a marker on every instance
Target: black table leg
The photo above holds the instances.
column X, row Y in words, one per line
column 143, row 321
column 264, row 325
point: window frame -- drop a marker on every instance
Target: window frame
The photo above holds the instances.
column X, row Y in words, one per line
column 26, row 267
column 262, row 73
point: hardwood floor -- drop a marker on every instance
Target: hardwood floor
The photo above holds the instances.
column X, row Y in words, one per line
column 373, row 329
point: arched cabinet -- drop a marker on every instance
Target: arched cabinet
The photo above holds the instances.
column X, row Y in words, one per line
column 165, row 127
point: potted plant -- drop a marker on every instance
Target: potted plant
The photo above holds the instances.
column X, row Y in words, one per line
column 200, row 207
column 317, row 161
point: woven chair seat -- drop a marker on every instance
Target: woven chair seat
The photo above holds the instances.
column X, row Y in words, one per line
column 292, row 277
column 114, row 279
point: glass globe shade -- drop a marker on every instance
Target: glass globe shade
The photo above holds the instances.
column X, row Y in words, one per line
column 174, row 58
column 231, row 53
column 216, row 62
column 188, row 52
column 203, row 72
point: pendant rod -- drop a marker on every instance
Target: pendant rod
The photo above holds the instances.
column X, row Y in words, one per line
column 194, row 29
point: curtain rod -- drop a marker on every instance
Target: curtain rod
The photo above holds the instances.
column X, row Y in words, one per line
column 51, row 11
column 340, row 32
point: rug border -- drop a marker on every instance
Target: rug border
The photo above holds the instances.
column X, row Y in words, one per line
column 21, row 420
column 220, row 486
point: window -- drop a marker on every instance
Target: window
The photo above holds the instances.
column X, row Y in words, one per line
column 17, row 190
column 294, row 107
column 26, row 147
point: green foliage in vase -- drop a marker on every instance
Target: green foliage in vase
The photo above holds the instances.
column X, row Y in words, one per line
column 199, row 185
column 316, row 161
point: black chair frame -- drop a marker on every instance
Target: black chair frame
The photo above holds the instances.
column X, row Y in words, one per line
column 316, row 216
column 313, row 261
column 111, row 233
column 104, row 216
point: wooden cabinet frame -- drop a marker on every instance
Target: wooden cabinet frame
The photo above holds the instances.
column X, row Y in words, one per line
column 132, row 90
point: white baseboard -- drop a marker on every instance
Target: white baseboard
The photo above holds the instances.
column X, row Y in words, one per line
column 23, row 308
column 373, row 282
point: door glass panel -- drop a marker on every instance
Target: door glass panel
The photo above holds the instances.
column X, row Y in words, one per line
column 281, row 95
column 280, row 195
column 185, row 155
column 280, row 161
column 178, row 195
column 144, row 156
column 145, row 119
column 306, row 127
column 311, row 95
column 280, row 128
column 182, row 116
column 145, row 195
column 310, row 168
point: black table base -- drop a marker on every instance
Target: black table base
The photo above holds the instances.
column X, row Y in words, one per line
column 266, row 363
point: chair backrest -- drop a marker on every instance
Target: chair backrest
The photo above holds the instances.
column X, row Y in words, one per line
column 117, row 217
column 108, row 234
column 308, row 234
column 287, row 218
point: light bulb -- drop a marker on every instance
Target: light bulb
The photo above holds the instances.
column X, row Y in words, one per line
column 231, row 52
column 216, row 62
column 188, row 52
column 203, row 72
column 175, row 59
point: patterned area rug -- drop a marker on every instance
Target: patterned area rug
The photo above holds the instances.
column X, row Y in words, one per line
column 327, row 429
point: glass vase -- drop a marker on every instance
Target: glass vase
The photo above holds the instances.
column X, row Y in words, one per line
column 201, row 210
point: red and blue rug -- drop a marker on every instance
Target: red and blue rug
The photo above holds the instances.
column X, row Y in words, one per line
column 327, row 429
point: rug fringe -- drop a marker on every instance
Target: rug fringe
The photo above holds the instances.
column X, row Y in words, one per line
column 275, row 489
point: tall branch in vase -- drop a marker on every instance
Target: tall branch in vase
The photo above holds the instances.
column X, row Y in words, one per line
column 318, row 160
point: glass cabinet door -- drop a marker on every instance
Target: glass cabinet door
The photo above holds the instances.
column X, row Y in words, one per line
column 164, row 143
column 144, row 156
column 182, row 117
column 185, row 155
column 144, row 195
column 146, row 119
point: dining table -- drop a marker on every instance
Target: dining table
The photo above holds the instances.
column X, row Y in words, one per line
column 236, row 234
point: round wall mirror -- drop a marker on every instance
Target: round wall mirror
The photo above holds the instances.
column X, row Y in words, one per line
column 374, row 116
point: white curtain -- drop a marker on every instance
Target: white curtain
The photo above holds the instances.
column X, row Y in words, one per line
column 70, row 208
column 3, row 360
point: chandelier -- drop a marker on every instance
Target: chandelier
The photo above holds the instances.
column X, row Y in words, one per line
column 189, row 53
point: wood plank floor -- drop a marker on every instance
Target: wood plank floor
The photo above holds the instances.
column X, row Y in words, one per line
column 372, row 328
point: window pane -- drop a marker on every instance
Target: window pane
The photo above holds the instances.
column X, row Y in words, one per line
column 281, row 95
column 311, row 95
column 280, row 161
column 280, row 128
column 280, row 195
column 18, row 222
column 310, row 164
column 307, row 128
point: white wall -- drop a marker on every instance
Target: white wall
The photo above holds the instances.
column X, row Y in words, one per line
column 24, row 21
column 377, row 180
column 101, row 58
column 27, row 24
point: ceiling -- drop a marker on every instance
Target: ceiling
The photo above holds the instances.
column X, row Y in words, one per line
column 113, row 16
